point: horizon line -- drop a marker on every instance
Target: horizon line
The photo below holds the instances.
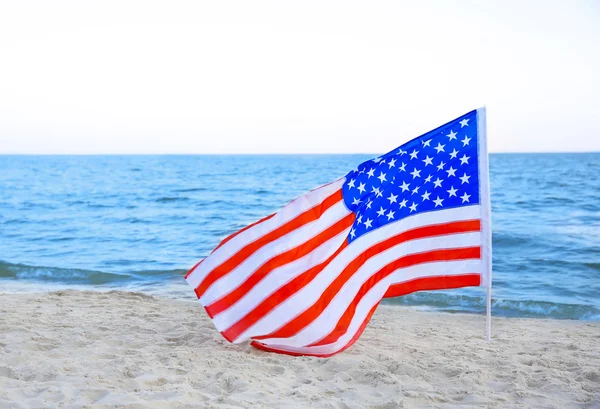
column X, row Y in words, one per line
column 264, row 153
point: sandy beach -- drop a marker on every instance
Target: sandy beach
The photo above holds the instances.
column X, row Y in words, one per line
column 75, row 349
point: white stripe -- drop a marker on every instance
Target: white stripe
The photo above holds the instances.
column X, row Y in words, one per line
column 236, row 276
column 277, row 279
column 362, row 310
column 329, row 318
column 303, row 299
column 287, row 213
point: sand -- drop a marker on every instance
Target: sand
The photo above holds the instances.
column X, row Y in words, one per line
column 75, row 349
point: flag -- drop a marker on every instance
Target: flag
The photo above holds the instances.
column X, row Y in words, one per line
column 307, row 279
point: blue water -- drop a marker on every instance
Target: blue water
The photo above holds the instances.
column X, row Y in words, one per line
column 139, row 222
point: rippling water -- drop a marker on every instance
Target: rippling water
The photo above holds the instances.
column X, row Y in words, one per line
column 139, row 222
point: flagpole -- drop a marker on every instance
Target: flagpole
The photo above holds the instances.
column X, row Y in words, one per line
column 489, row 309
column 486, row 215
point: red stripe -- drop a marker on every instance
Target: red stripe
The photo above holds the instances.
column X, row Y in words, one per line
column 311, row 313
column 433, row 283
column 282, row 259
column 358, row 333
column 308, row 216
column 431, row 256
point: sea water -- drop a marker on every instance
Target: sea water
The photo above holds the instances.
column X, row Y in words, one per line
column 139, row 222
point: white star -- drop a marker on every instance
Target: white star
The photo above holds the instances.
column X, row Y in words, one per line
column 379, row 193
column 464, row 160
column 356, row 202
column 361, row 188
column 351, row 184
column 370, row 173
column 368, row 223
column 425, row 195
column 452, row 135
column 404, row 186
column 441, row 165
column 375, row 190
column 414, row 153
column 466, row 141
column 427, row 160
column 426, row 143
column 382, row 162
column 428, row 179
column 451, row 171
column 392, row 163
column 453, row 154
column 438, row 182
column 377, row 160
column 439, row 148
column 392, row 198
column 362, row 171
column 390, row 215
column 465, row 197
column 415, row 173
column 352, row 233
column 403, row 203
column 464, row 122
column 381, row 212
column 452, row 191
column 438, row 201
column 369, row 203
column 402, row 168
column 416, row 190
column 464, row 178
column 381, row 177
column 401, row 152
column 359, row 220
column 413, row 207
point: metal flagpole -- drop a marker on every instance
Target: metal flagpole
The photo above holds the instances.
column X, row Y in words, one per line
column 486, row 215
column 489, row 308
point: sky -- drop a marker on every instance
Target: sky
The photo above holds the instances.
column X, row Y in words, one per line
column 294, row 77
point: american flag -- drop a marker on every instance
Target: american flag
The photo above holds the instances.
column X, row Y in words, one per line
column 307, row 279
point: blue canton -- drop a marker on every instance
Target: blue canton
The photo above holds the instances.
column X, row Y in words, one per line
column 438, row 170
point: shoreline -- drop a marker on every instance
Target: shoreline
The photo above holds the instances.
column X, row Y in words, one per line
column 184, row 293
column 99, row 349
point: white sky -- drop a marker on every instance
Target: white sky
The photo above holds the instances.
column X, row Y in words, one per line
column 294, row 76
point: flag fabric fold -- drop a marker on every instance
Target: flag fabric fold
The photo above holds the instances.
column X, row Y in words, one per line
column 307, row 279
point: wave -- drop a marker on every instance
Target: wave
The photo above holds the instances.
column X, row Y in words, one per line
column 151, row 280
column 592, row 265
column 15, row 221
column 500, row 307
column 438, row 301
column 171, row 199
column 99, row 206
column 511, row 240
column 193, row 189
column 81, row 276
column 133, row 220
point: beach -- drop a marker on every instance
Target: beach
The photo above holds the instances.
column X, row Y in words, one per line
column 355, row 187
column 88, row 349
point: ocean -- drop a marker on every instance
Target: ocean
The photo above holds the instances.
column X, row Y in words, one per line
column 139, row 222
